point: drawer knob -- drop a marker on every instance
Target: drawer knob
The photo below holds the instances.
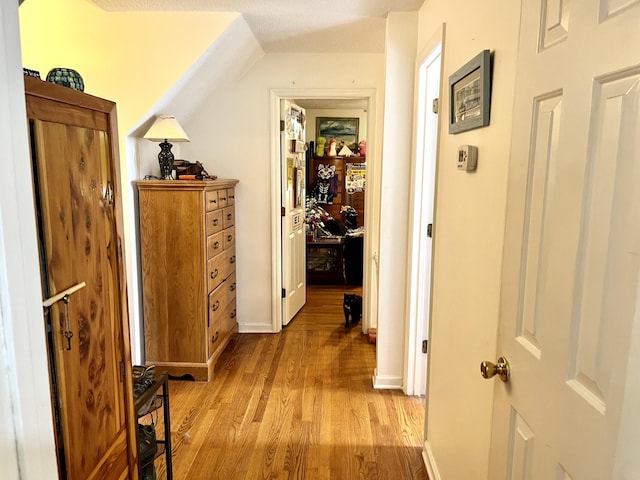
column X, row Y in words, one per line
column 232, row 197
column 215, row 222
column 224, row 199
column 213, row 200
column 215, row 337
column 214, row 274
column 233, row 287
column 229, row 238
column 216, row 245
column 229, row 216
column 233, row 313
column 216, row 306
column 232, row 259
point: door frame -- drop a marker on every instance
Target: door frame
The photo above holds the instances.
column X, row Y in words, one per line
column 372, row 213
column 418, row 281
column 26, row 407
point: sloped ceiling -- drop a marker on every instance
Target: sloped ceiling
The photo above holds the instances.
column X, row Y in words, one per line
column 295, row 26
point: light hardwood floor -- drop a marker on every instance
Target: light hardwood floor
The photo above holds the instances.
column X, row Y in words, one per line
column 298, row 404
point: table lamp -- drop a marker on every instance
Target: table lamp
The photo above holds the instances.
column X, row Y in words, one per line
column 166, row 129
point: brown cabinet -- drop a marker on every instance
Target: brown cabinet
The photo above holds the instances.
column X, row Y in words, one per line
column 325, row 261
column 187, row 239
column 76, row 179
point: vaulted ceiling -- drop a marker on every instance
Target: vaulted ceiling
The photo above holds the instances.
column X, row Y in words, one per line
column 295, row 26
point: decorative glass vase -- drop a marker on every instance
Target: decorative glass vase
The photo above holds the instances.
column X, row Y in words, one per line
column 66, row 77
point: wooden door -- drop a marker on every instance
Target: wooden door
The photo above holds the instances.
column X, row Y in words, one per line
column 294, row 259
column 572, row 245
column 75, row 167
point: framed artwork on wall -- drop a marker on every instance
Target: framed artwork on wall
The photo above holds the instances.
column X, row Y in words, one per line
column 344, row 130
column 470, row 94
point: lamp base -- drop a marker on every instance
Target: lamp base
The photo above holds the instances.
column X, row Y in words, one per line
column 165, row 159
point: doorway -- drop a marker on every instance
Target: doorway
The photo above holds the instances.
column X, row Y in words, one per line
column 422, row 221
column 304, row 98
column 335, row 196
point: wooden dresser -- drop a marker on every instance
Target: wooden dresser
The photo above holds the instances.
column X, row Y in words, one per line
column 187, row 241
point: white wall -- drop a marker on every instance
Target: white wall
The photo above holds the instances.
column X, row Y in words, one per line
column 133, row 68
column 468, row 236
column 394, row 201
column 231, row 135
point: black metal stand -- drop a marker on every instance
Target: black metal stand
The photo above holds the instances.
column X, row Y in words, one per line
column 161, row 380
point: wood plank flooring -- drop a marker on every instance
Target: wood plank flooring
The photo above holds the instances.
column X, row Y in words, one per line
column 296, row 405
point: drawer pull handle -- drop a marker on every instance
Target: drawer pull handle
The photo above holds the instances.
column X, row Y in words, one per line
column 224, row 199
column 229, row 238
column 215, row 222
column 233, row 314
column 214, row 274
column 232, row 259
column 233, row 287
column 216, row 306
column 232, row 197
column 229, row 216
column 213, row 200
column 216, row 245
column 215, row 337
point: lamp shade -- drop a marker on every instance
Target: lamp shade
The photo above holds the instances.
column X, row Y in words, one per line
column 166, row 127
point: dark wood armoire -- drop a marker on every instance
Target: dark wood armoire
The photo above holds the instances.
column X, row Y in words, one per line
column 76, row 179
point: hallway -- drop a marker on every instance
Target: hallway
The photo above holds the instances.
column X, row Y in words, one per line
column 298, row 404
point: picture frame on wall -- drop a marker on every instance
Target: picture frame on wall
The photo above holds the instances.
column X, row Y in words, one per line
column 344, row 130
column 470, row 94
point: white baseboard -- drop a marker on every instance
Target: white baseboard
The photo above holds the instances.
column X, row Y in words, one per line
column 255, row 328
column 430, row 462
column 386, row 382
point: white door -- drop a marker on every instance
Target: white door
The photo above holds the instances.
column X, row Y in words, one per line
column 572, row 245
column 424, row 175
column 292, row 156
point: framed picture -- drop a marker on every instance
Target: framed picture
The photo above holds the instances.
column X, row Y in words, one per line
column 470, row 94
column 344, row 130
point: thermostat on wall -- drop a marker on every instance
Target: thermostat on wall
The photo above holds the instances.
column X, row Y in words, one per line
column 467, row 158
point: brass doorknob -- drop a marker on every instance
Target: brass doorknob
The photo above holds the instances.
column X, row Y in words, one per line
column 488, row 369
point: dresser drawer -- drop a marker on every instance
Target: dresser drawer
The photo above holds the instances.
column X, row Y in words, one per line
column 228, row 218
column 231, row 196
column 215, row 244
column 223, row 198
column 228, row 319
column 214, row 221
column 216, row 271
column 214, row 335
column 229, row 237
column 230, row 261
column 230, row 286
column 218, row 301
column 211, row 199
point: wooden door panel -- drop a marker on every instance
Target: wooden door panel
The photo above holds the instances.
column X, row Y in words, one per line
column 72, row 172
column 76, row 182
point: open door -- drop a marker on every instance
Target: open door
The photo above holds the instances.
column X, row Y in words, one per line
column 292, row 160
column 571, row 273
column 421, row 226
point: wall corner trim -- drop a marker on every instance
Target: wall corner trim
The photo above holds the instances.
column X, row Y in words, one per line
column 430, row 462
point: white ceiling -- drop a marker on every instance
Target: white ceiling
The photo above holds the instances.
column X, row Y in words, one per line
column 295, row 26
